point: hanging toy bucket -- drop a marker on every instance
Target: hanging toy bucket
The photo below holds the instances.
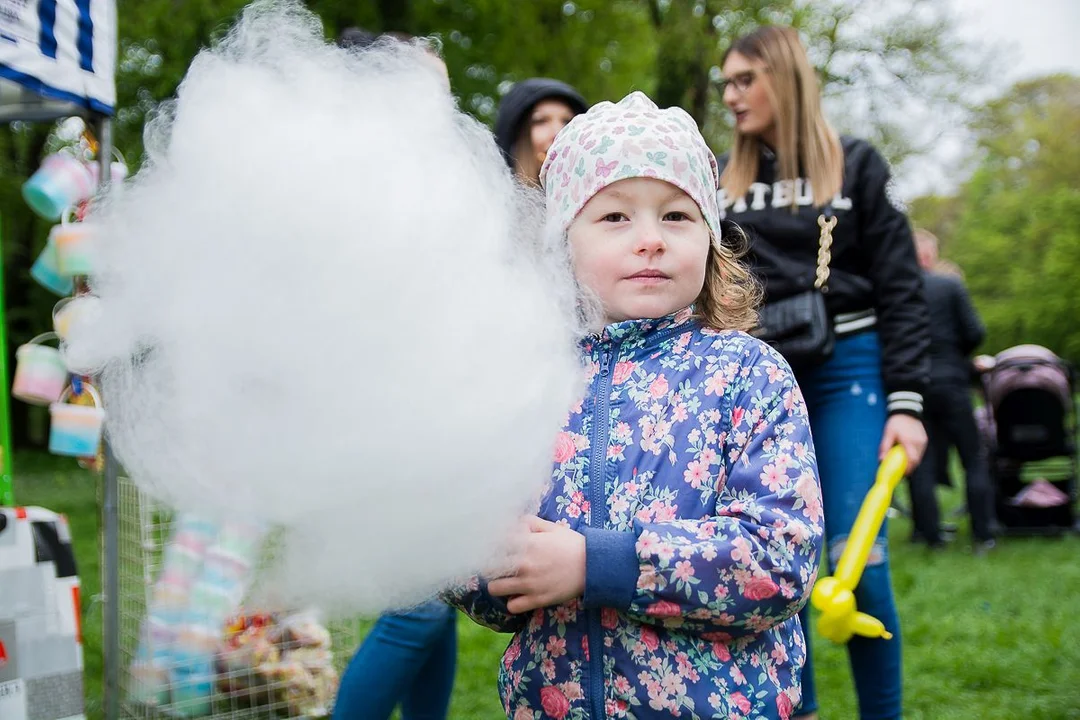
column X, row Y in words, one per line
column 76, row 246
column 40, row 373
column 61, row 182
column 76, row 429
column 73, row 311
column 46, row 270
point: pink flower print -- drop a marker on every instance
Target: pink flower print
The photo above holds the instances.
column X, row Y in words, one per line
column 609, row 618
column 512, row 653
column 684, row 570
column 650, row 638
column 556, row 646
column 573, row 511
column 572, row 690
column 720, row 650
column 647, row 543
column 622, row 685
column 523, row 713
column 554, row 702
column 774, row 372
column 810, row 493
column 623, row 371
column 715, row 384
column 663, row 513
column 663, row 609
column 615, row 451
column 695, row 473
column 547, row 668
column 564, row 615
column 737, row 416
column 779, row 653
column 644, row 515
column 665, row 551
column 659, row 387
column 739, row 700
column 784, row 706
column 604, row 169
column 740, row 551
column 565, row 448
column 773, row 477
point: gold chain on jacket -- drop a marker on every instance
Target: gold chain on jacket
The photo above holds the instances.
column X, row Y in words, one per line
column 824, row 256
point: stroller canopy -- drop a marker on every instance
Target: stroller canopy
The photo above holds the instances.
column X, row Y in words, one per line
column 1029, row 366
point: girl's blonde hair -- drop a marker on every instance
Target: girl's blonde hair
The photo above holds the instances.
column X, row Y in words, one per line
column 804, row 139
column 730, row 297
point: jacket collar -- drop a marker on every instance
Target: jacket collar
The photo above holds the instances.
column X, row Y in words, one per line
column 637, row 333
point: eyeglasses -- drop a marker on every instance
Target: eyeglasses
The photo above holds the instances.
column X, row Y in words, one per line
column 741, row 82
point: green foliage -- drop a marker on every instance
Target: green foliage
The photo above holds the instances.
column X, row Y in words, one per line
column 1015, row 225
column 668, row 48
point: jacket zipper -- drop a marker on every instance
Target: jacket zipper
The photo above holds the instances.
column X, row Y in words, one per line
column 597, row 510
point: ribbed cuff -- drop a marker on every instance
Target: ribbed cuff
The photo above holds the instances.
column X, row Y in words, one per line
column 611, row 568
column 905, row 402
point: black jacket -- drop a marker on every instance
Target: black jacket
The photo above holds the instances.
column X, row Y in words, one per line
column 955, row 329
column 873, row 263
column 517, row 103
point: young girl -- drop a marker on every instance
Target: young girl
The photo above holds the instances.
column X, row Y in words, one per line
column 679, row 536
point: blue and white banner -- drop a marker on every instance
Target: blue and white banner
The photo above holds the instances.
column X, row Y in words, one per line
column 62, row 49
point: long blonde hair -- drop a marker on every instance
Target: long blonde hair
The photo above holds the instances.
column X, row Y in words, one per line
column 804, row 139
column 730, row 297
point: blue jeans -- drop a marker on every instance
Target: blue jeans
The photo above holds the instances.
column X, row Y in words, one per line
column 407, row 658
column 846, row 402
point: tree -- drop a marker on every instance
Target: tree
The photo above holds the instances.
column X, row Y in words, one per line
column 1015, row 225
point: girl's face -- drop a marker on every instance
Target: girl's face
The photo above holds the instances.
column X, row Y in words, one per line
column 641, row 245
column 745, row 93
column 547, row 118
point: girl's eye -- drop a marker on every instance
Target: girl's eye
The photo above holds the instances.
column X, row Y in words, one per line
column 614, row 217
column 676, row 216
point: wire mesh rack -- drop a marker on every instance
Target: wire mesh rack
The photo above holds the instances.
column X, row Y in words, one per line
column 186, row 645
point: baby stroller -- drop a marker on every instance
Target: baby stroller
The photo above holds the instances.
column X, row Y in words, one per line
column 1029, row 422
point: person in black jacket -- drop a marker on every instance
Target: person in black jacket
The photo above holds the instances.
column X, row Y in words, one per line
column 955, row 332
column 529, row 117
column 786, row 171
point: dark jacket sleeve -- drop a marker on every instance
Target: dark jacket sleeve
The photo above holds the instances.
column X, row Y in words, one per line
column 970, row 329
column 903, row 323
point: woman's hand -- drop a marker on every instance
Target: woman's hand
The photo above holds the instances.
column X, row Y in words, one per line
column 550, row 568
column 908, row 432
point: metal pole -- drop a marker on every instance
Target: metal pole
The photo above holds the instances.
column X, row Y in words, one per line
column 110, row 508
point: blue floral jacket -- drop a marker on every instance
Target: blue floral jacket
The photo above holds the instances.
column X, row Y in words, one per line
column 702, row 530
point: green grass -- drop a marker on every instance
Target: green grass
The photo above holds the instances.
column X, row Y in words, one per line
column 988, row 637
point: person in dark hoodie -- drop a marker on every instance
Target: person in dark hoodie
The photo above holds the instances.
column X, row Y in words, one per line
column 956, row 331
column 836, row 257
column 408, row 658
column 529, row 117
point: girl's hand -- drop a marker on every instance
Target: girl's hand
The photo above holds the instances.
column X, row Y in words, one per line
column 908, row 432
column 550, row 568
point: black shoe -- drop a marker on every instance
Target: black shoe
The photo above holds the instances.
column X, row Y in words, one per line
column 949, row 528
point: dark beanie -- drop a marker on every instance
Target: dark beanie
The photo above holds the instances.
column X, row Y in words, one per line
column 521, row 99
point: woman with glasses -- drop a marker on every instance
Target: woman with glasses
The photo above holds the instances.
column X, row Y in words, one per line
column 843, row 303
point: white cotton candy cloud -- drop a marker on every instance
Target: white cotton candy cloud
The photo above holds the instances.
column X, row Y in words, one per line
column 321, row 306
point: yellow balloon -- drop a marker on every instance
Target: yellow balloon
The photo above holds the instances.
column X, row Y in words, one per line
column 833, row 596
